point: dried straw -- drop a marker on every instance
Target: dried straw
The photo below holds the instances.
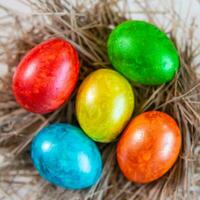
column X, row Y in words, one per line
column 87, row 28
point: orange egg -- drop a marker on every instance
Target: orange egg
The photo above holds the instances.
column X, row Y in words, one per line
column 149, row 147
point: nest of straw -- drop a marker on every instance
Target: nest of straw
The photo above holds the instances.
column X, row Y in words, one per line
column 87, row 25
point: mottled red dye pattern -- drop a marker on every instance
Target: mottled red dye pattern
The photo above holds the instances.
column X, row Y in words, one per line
column 46, row 76
column 149, row 147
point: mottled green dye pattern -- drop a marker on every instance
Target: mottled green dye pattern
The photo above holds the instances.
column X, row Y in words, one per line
column 143, row 53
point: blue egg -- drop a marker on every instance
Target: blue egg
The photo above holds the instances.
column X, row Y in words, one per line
column 66, row 157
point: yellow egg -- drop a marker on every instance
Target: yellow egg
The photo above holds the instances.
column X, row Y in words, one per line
column 104, row 104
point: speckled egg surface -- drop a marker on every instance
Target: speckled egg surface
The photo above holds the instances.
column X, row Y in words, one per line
column 149, row 146
column 143, row 53
column 104, row 104
column 46, row 76
column 66, row 157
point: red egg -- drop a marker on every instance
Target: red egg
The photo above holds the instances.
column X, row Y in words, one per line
column 149, row 146
column 46, row 76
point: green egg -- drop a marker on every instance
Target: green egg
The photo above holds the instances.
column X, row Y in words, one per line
column 143, row 53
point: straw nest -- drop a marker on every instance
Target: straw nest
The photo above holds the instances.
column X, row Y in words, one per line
column 86, row 26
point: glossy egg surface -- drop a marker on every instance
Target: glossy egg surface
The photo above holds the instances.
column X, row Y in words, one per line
column 143, row 53
column 104, row 104
column 149, row 146
column 66, row 157
column 46, row 76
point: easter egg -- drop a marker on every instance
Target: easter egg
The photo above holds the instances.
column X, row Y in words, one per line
column 148, row 147
column 104, row 104
column 143, row 53
column 46, row 76
column 66, row 157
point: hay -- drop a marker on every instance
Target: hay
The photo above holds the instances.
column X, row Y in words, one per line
column 87, row 28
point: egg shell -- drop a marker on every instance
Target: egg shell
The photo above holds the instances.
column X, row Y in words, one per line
column 66, row 157
column 149, row 146
column 143, row 53
column 104, row 104
column 46, row 76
